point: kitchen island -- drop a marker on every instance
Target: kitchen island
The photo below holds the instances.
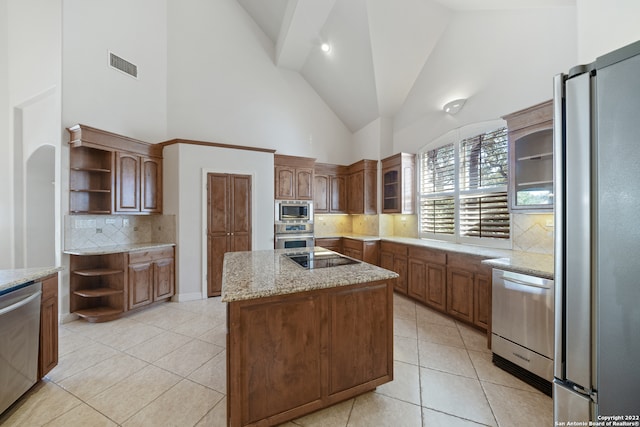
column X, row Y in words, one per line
column 301, row 339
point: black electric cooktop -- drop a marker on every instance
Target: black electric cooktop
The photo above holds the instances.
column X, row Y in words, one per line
column 320, row 259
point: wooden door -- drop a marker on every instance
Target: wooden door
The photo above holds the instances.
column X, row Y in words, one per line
column 321, row 193
column 127, row 183
column 48, row 355
column 304, row 184
column 460, row 293
column 417, row 286
column 338, row 194
column 151, row 185
column 228, row 222
column 356, row 193
column 482, row 300
column 436, row 295
column 285, row 183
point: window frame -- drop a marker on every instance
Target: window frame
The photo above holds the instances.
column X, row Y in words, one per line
column 456, row 136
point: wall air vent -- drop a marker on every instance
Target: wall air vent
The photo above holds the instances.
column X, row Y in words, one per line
column 123, row 65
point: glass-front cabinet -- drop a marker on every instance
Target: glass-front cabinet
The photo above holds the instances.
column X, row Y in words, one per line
column 531, row 158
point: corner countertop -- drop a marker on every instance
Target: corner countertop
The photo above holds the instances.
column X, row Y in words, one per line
column 102, row 250
column 257, row 274
column 535, row 264
column 15, row 278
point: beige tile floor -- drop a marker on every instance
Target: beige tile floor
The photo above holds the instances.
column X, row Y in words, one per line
column 165, row 366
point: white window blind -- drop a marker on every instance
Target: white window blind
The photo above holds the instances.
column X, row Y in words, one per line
column 463, row 188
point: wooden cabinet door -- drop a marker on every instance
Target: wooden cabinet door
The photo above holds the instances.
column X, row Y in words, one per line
column 401, row 266
column 127, row 183
column 417, row 279
column 304, row 184
column 240, row 213
column 48, row 354
column 151, row 185
column 338, row 194
column 360, row 336
column 285, row 185
column 321, row 193
column 436, row 295
column 460, row 293
column 140, row 284
column 163, row 280
column 356, row 193
column 482, row 301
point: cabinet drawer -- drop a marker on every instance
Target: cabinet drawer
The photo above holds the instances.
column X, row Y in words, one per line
column 394, row 248
column 150, row 255
column 428, row 255
column 468, row 262
column 352, row 244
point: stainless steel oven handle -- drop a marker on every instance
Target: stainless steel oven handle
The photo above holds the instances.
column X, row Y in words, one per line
column 20, row 303
column 521, row 282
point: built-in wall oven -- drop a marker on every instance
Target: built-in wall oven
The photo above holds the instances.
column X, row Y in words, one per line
column 294, row 235
column 293, row 224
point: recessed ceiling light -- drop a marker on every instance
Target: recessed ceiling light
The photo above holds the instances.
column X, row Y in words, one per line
column 326, row 47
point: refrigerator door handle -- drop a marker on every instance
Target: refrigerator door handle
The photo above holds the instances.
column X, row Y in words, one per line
column 558, row 192
column 577, row 231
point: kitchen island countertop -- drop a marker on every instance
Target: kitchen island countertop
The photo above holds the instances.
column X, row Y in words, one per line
column 257, row 274
column 10, row 279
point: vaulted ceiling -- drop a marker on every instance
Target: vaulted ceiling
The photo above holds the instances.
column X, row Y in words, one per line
column 378, row 47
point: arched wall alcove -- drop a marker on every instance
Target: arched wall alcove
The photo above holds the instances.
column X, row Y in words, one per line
column 40, row 208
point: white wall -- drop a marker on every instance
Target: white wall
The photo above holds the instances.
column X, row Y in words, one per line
column 501, row 61
column 100, row 96
column 606, row 25
column 30, row 78
column 185, row 197
column 224, row 87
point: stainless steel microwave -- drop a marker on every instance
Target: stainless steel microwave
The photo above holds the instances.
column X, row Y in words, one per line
column 294, row 211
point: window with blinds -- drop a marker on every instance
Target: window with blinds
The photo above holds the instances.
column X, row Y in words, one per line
column 463, row 188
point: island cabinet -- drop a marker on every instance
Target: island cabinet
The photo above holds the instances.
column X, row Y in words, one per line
column 363, row 193
column 364, row 250
column 469, row 289
column 48, row 354
column 111, row 173
column 398, row 183
column 330, row 188
column 150, row 276
column 293, row 177
column 428, row 277
column 393, row 256
column 290, row 355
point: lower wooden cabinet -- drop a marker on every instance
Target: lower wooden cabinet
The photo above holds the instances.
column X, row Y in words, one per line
column 104, row 287
column 428, row 277
column 150, row 277
column 367, row 251
column 453, row 283
column 48, row 354
column 331, row 243
column 393, row 257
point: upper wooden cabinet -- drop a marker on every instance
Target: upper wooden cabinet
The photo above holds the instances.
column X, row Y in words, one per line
column 531, row 158
column 363, row 195
column 111, row 173
column 293, row 177
column 398, row 187
column 330, row 188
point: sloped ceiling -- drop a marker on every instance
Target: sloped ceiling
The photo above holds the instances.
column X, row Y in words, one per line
column 378, row 47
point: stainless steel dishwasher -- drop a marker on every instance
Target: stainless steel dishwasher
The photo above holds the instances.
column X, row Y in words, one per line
column 19, row 338
column 522, row 329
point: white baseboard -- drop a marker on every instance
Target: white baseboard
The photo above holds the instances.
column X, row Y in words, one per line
column 67, row 317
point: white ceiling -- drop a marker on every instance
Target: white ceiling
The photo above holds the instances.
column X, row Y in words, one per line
column 379, row 47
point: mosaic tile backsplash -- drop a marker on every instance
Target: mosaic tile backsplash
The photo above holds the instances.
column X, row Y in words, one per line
column 532, row 233
column 93, row 231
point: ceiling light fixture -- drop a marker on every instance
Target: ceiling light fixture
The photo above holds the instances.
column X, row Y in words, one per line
column 452, row 107
column 326, row 47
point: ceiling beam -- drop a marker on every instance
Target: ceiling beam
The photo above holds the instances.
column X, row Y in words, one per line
column 301, row 31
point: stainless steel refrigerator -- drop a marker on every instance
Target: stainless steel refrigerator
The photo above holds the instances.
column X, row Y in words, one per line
column 597, row 239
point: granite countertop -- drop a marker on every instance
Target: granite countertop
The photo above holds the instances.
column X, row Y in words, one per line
column 363, row 237
column 540, row 265
column 257, row 274
column 12, row 279
column 117, row 248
